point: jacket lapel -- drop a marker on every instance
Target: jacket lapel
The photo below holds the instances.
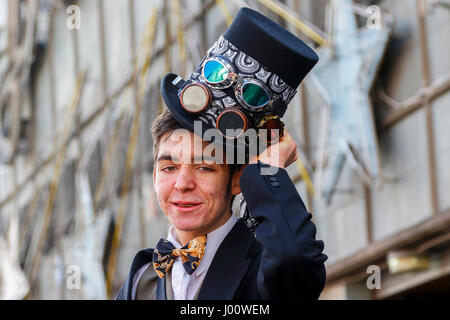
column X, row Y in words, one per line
column 161, row 289
column 229, row 265
column 141, row 258
column 169, row 288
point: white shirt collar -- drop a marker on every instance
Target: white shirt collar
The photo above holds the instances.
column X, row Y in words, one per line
column 213, row 241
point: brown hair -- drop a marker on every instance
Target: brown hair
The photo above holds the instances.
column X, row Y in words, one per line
column 163, row 124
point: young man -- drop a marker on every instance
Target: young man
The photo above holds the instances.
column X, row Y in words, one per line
column 209, row 253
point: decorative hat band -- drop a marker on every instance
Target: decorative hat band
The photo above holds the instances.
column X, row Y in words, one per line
column 244, row 67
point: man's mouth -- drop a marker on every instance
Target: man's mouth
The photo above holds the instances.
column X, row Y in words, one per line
column 185, row 206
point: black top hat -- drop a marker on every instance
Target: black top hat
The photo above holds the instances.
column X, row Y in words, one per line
column 257, row 48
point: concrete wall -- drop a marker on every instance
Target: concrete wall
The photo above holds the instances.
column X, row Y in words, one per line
column 404, row 199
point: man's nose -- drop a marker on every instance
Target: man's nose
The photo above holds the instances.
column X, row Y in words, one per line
column 185, row 179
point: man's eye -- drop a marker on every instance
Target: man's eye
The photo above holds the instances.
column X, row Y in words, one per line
column 205, row 169
column 169, row 169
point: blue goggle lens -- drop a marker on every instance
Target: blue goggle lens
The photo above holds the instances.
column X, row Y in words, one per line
column 215, row 72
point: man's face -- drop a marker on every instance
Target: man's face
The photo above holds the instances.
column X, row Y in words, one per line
column 194, row 196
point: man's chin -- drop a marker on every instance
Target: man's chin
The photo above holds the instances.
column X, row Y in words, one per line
column 185, row 223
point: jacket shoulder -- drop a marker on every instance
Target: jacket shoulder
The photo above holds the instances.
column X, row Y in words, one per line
column 141, row 258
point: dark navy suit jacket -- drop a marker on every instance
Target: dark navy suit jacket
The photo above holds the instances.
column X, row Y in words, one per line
column 282, row 260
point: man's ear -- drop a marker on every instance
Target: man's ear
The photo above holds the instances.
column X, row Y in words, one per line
column 235, row 182
column 154, row 177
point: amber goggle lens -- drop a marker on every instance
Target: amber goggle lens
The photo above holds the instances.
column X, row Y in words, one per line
column 232, row 123
column 274, row 129
column 195, row 97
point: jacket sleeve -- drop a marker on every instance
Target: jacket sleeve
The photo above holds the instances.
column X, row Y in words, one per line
column 292, row 262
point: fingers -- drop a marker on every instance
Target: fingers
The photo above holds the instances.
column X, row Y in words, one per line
column 283, row 155
column 292, row 158
column 288, row 148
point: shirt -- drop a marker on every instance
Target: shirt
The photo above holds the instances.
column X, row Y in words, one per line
column 185, row 286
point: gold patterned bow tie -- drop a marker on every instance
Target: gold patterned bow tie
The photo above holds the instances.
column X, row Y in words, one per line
column 191, row 254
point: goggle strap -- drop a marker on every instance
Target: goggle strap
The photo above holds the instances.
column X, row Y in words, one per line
column 179, row 83
column 279, row 108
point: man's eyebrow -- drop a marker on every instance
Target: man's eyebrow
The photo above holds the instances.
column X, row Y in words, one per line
column 166, row 157
column 203, row 159
column 195, row 160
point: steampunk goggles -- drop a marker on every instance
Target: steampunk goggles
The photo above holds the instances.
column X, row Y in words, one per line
column 252, row 94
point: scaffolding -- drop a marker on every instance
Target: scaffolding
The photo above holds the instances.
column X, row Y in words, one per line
column 115, row 161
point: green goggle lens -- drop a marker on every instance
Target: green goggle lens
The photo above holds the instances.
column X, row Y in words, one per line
column 254, row 95
column 215, row 72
